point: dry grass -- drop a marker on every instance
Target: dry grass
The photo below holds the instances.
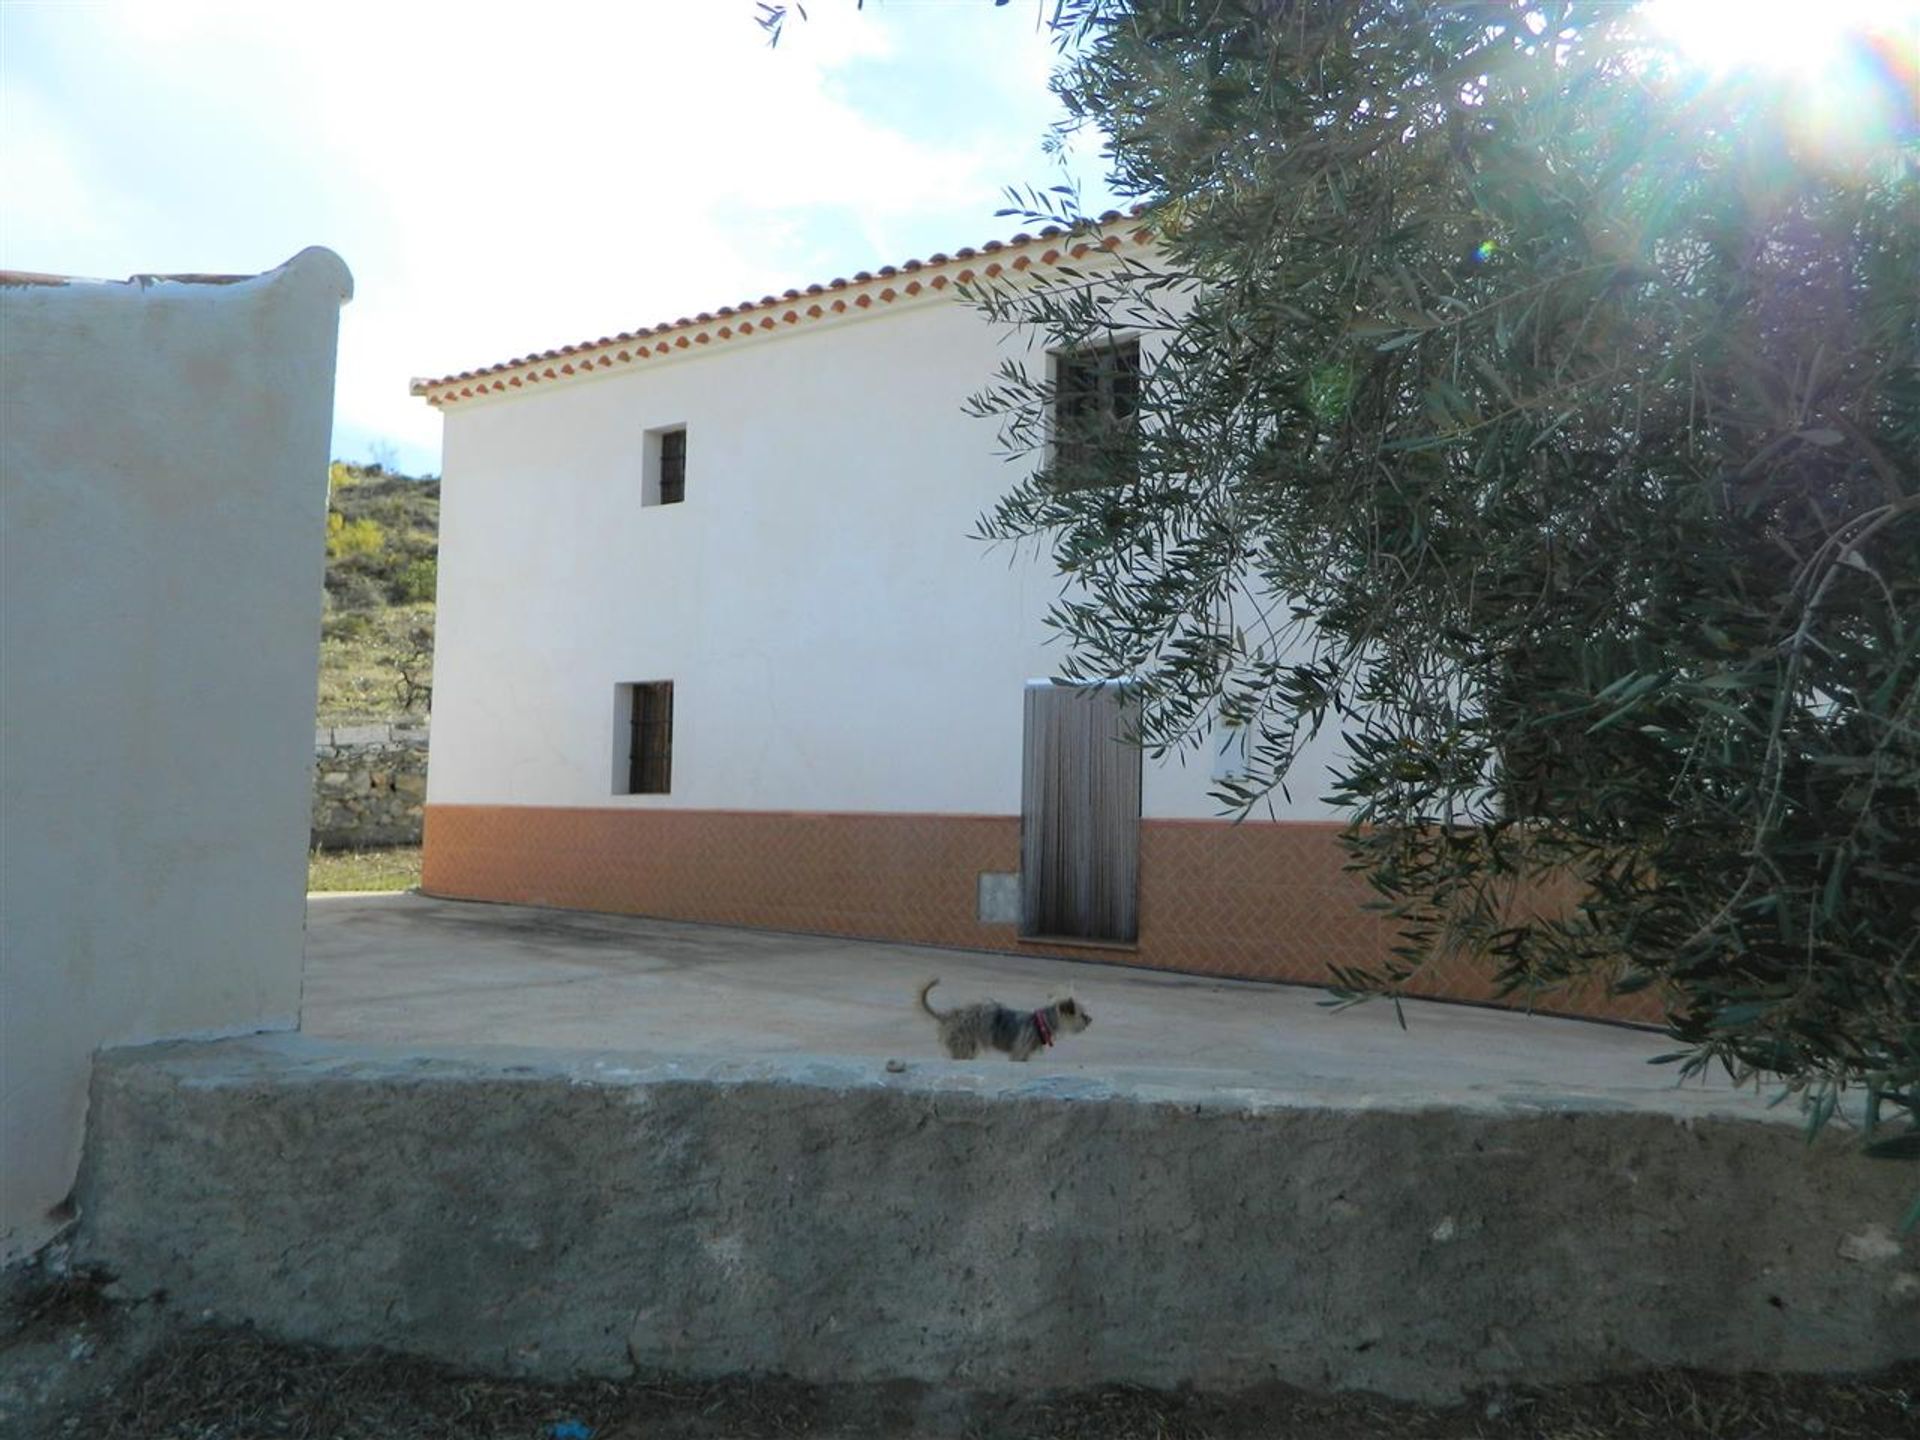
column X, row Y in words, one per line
column 362, row 658
column 395, row 868
column 225, row 1385
column 37, row 1304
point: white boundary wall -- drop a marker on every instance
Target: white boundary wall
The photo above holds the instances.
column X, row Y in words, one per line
column 161, row 549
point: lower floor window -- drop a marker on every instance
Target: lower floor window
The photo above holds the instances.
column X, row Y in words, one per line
column 650, row 738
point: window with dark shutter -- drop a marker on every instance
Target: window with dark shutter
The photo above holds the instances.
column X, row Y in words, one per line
column 673, row 466
column 650, row 743
column 1096, row 407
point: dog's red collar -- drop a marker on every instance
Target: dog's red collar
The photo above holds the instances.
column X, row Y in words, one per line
column 1040, row 1024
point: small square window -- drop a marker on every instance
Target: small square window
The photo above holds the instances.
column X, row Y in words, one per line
column 1096, row 406
column 666, row 467
column 648, row 740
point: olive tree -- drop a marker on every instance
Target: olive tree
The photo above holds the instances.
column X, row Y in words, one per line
column 1545, row 423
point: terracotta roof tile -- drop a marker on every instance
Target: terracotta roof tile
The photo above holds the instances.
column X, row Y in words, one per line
column 495, row 378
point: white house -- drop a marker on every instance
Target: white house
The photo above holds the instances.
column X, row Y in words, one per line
column 715, row 643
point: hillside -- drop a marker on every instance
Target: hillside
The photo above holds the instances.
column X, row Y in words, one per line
column 376, row 640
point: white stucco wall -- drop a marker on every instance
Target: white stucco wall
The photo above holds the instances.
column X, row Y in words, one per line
column 164, row 451
column 837, row 640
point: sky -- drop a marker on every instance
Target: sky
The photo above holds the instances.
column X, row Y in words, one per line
column 503, row 179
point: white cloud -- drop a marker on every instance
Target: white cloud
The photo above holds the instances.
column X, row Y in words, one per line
column 502, row 178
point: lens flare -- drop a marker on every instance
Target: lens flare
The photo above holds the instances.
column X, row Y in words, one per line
column 1781, row 35
column 1846, row 72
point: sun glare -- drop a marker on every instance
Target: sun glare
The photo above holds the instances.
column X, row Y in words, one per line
column 1792, row 37
column 1846, row 69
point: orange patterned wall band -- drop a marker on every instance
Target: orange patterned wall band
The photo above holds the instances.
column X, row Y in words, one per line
column 1258, row 901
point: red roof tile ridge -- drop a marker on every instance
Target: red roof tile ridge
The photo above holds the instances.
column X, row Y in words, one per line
column 38, row 277
column 494, row 377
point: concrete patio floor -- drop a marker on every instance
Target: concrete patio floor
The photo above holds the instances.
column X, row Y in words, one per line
column 409, row 971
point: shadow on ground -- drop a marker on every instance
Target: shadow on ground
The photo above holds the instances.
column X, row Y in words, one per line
column 129, row 1371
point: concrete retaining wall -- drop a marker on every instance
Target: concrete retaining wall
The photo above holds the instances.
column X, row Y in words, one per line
column 369, row 785
column 967, row 1226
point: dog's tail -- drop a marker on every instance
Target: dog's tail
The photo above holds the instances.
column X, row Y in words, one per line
column 926, row 990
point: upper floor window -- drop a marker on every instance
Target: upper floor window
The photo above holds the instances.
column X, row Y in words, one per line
column 1096, row 406
column 666, row 458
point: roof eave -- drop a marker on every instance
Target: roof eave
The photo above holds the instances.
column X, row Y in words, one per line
column 915, row 280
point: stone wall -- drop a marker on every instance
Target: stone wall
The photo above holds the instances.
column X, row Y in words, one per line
column 369, row 784
column 980, row 1226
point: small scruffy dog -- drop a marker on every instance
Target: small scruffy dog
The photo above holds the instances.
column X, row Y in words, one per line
column 965, row 1028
